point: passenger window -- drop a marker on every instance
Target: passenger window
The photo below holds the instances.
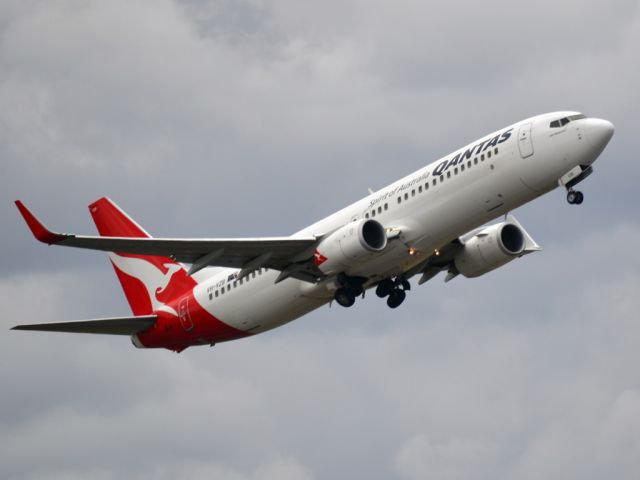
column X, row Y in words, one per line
column 399, row 199
column 462, row 167
column 455, row 171
column 210, row 296
column 469, row 164
column 449, row 174
column 426, row 186
column 222, row 289
column 420, row 189
column 489, row 154
column 217, row 293
column 373, row 213
column 379, row 210
column 386, row 206
column 441, row 178
column 406, row 196
column 495, row 151
column 435, row 181
column 413, row 192
column 366, row 215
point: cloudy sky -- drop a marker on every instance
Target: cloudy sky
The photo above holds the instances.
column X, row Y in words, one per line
column 254, row 118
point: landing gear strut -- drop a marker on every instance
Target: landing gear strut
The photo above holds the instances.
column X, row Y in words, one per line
column 574, row 197
column 394, row 289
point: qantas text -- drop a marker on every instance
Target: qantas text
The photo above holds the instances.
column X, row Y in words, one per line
column 460, row 157
column 470, row 152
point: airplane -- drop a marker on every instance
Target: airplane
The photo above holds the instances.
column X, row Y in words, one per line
column 433, row 220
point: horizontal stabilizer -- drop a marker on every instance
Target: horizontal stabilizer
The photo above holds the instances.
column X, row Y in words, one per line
column 108, row 326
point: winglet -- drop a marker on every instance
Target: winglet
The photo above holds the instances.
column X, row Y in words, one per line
column 39, row 231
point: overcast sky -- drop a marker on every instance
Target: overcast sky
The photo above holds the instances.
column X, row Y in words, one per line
column 255, row 118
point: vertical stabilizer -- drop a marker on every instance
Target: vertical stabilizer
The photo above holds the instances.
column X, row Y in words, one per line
column 149, row 282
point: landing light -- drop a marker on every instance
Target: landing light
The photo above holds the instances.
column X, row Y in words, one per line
column 412, row 250
column 437, row 252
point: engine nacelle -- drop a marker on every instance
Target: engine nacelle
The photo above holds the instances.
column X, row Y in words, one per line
column 490, row 248
column 349, row 245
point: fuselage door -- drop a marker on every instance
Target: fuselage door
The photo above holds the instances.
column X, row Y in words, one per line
column 184, row 315
column 525, row 145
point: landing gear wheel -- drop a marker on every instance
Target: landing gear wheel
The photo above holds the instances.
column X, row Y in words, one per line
column 575, row 197
column 396, row 298
column 579, row 198
column 384, row 288
column 345, row 297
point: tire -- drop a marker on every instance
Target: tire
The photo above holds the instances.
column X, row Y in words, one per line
column 572, row 197
column 344, row 297
column 396, row 298
column 384, row 288
column 579, row 198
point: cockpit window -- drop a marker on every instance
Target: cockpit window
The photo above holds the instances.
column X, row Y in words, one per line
column 563, row 121
column 559, row 123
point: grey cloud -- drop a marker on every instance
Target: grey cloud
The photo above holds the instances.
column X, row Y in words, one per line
column 254, row 118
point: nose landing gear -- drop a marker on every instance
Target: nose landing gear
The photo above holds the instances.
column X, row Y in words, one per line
column 571, row 179
column 574, row 197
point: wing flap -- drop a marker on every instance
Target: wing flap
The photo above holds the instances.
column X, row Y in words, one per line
column 108, row 326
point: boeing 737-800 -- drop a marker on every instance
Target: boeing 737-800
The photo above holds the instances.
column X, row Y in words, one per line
column 428, row 222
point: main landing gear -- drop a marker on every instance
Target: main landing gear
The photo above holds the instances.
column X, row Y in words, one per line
column 574, row 197
column 350, row 288
column 394, row 289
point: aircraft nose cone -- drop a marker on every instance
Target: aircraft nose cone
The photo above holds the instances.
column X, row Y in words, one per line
column 599, row 133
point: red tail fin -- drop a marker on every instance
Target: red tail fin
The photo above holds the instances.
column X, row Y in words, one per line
column 149, row 282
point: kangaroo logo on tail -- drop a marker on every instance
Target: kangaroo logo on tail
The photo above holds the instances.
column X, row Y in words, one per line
column 163, row 282
column 150, row 282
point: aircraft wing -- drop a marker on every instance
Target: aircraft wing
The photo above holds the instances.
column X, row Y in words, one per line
column 290, row 255
column 111, row 326
column 444, row 258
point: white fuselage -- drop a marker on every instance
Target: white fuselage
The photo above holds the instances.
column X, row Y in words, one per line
column 426, row 210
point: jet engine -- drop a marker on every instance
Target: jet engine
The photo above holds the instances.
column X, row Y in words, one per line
column 349, row 245
column 491, row 248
